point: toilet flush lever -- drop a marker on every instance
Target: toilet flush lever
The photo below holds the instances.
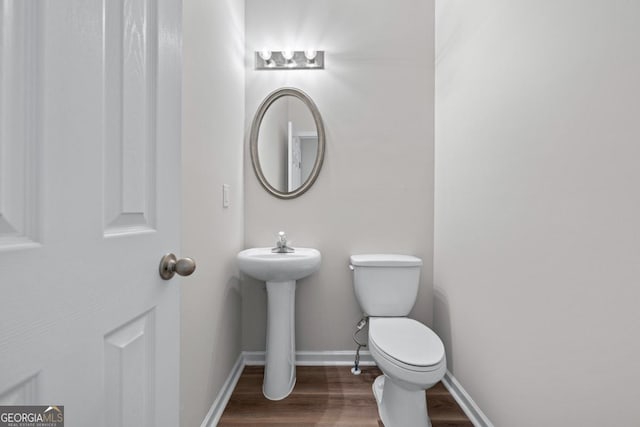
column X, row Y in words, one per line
column 170, row 265
column 350, row 267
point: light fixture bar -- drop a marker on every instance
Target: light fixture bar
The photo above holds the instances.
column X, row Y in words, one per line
column 290, row 60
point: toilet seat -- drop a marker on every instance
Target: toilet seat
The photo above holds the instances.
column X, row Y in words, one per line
column 406, row 343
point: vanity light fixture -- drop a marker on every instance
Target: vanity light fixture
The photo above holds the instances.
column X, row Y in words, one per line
column 290, row 59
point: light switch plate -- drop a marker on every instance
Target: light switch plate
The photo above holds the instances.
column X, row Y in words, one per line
column 225, row 195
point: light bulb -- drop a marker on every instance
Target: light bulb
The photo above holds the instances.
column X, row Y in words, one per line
column 265, row 55
column 311, row 57
column 287, row 54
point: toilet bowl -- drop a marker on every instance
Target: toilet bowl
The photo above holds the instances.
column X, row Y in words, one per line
column 409, row 354
column 411, row 357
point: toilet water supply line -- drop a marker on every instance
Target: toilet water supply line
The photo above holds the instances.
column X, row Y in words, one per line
column 356, row 363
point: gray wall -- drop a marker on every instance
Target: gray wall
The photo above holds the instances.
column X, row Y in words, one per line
column 537, row 222
column 212, row 140
column 374, row 193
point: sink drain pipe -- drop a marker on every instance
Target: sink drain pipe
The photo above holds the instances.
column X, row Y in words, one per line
column 356, row 363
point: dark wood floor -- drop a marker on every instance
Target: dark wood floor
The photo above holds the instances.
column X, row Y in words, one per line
column 326, row 396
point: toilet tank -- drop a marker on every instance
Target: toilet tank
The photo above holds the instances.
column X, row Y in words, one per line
column 386, row 284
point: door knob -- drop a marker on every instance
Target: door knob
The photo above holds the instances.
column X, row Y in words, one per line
column 170, row 265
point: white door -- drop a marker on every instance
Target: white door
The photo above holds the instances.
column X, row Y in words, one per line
column 89, row 203
column 294, row 157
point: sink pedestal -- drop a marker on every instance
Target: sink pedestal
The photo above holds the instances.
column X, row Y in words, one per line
column 280, row 359
column 280, row 271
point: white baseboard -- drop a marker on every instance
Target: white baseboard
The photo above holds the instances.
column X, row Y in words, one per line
column 253, row 358
column 214, row 414
column 315, row 358
column 475, row 414
column 331, row 358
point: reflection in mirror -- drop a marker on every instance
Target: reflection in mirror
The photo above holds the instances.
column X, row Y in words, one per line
column 287, row 143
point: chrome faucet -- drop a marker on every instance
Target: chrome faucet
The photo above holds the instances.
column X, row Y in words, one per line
column 281, row 245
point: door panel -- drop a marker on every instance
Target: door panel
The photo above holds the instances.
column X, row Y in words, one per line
column 130, row 68
column 20, row 115
column 129, row 372
column 89, row 203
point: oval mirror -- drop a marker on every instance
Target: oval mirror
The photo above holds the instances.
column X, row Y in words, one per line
column 287, row 143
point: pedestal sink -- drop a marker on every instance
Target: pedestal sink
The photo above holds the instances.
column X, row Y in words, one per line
column 280, row 271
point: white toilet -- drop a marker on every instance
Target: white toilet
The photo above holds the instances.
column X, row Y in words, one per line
column 410, row 355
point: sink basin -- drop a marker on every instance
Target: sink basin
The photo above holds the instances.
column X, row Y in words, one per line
column 262, row 264
column 280, row 271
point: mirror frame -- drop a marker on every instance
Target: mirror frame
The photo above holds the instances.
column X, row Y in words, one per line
column 255, row 131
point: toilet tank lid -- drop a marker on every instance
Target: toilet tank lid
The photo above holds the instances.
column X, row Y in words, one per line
column 385, row 260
